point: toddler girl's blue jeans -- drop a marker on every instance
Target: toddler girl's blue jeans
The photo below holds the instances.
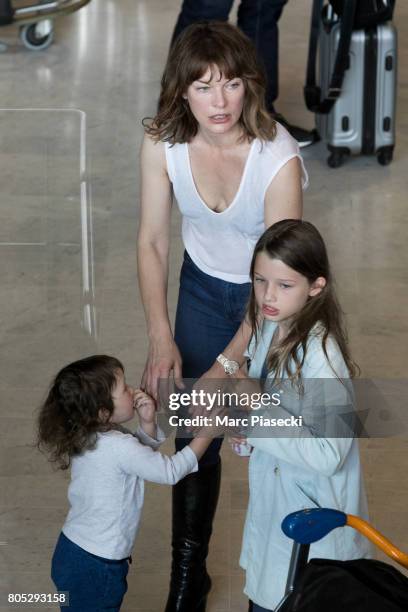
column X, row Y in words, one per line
column 93, row 583
column 209, row 313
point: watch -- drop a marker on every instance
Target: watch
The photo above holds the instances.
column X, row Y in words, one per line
column 230, row 366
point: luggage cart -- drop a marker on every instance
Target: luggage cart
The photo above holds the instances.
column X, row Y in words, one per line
column 36, row 21
column 307, row 526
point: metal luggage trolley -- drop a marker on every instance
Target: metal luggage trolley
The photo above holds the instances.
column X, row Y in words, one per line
column 36, row 21
column 307, row 526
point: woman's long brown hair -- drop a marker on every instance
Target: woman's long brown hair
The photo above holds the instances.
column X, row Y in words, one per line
column 201, row 46
column 299, row 245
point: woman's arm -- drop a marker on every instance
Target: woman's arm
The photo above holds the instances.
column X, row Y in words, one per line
column 234, row 351
column 284, row 198
column 152, row 255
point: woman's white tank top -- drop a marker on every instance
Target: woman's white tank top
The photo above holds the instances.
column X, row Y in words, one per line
column 221, row 244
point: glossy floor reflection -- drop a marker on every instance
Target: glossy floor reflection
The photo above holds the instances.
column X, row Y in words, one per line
column 69, row 288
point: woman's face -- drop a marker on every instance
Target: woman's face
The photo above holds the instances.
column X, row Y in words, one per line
column 216, row 102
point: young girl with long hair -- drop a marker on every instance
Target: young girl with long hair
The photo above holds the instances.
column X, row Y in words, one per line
column 299, row 346
column 233, row 171
column 81, row 426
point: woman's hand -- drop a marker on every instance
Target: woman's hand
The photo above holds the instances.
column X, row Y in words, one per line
column 164, row 358
column 240, row 374
column 246, row 387
column 212, row 381
column 213, row 426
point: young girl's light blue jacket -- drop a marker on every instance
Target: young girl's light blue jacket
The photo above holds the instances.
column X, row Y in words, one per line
column 301, row 471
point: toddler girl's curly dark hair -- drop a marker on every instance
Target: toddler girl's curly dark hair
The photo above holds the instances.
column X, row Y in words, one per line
column 72, row 414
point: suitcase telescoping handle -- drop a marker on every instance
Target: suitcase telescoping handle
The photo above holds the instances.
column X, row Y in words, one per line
column 312, row 91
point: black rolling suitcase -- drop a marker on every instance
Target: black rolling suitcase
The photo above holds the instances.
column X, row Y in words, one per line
column 354, row 101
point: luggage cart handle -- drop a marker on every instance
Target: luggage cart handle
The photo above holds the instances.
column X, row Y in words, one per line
column 313, row 524
column 378, row 539
column 308, row 526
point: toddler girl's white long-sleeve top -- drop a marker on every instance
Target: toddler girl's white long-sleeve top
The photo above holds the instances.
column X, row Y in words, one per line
column 107, row 489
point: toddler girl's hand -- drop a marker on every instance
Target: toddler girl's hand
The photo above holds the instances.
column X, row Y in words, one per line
column 145, row 406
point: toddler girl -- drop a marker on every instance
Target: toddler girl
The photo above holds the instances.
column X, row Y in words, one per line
column 81, row 426
column 298, row 337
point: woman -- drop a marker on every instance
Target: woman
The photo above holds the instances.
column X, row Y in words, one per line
column 233, row 171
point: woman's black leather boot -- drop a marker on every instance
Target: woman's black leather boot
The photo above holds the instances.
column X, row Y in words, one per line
column 194, row 503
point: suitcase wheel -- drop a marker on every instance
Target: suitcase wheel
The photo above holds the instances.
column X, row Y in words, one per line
column 37, row 36
column 385, row 155
column 336, row 158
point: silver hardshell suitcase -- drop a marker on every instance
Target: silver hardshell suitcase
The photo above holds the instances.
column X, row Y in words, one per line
column 363, row 118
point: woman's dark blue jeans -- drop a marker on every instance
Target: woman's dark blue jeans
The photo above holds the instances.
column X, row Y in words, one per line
column 209, row 313
column 93, row 583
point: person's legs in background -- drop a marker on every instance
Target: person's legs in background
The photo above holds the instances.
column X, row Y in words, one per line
column 6, row 12
column 199, row 10
column 258, row 19
column 209, row 313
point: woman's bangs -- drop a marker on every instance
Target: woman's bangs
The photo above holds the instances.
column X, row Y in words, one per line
column 196, row 70
column 214, row 60
column 228, row 64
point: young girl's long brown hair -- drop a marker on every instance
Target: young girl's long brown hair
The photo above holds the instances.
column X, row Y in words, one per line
column 70, row 417
column 299, row 245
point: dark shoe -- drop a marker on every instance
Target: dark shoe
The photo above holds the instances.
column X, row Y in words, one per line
column 304, row 137
column 194, row 503
column 6, row 12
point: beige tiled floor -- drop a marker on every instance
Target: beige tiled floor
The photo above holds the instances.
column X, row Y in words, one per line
column 107, row 61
